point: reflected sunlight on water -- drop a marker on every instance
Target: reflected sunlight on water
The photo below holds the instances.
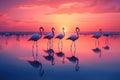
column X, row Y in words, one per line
column 21, row 61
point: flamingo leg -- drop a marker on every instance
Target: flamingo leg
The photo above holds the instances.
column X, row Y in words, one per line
column 36, row 50
column 48, row 44
column 98, row 42
column 100, row 55
column 52, row 43
column 61, row 45
column 33, row 50
column 63, row 61
column 106, row 41
column 95, row 43
column 74, row 48
column 71, row 47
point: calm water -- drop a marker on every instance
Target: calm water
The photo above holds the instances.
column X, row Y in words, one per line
column 19, row 60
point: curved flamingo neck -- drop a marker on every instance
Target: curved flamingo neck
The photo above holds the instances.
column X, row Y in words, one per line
column 63, row 32
column 76, row 66
column 53, row 31
column 41, row 31
column 77, row 32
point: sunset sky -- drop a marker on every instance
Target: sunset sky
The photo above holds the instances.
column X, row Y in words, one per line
column 89, row 15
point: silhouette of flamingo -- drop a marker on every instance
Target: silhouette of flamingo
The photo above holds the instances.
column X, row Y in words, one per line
column 106, row 34
column 97, row 50
column 35, row 37
column 49, row 36
column 50, row 56
column 97, row 35
column 74, row 37
column 60, row 37
column 75, row 60
column 61, row 55
column 36, row 63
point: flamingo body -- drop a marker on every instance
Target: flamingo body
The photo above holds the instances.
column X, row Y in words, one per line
column 97, row 35
column 35, row 37
column 72, row 37
column 106, row 34
column 60, row 36
column 97, row 50
column 49, row 36
column 72, row 59
column 60, row 54
column 35, row 63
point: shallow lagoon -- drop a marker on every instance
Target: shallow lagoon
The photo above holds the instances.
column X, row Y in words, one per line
column 95, row 62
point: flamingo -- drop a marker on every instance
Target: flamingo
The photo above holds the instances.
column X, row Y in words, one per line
column 74, row 37
column 60, row 37
column 75, row 60
column 49, row 36
column 107, row 34
column 50, row 56
column 35, row 37
column 97, row 35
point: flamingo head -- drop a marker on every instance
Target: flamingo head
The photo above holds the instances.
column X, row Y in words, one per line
column 77, row 29
column 63, row 28
column 53, row 29
column 41, row 28
column 100, row 29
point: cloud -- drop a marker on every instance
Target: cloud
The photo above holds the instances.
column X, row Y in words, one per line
column 66, row 6
column 27, row 7
column 91, row 6
column 4, row 16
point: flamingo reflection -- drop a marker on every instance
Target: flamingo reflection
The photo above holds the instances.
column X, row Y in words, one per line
column 106, row 34
column 61, row 55
column 74, row 60
column 36, row 63
column 50, row 56
column 17, row 37
column 97, row 50
column 7, row 35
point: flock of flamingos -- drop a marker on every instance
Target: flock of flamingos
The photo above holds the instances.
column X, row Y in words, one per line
column 73, row 37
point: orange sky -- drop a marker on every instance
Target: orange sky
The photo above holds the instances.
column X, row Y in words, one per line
column 89, row 15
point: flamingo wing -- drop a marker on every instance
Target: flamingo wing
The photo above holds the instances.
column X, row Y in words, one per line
column 60, row 36
column 35, row 37
column 72, row 37
column 49, row 35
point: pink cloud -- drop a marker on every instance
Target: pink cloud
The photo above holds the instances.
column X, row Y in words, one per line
column 27, row 7
column 4, row 16
column 91, row 6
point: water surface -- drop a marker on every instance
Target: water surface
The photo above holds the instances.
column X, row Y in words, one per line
column 19, row 60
